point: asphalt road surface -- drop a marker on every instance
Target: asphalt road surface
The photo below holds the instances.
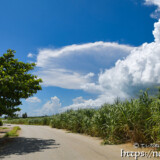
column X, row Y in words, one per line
column 45, row 143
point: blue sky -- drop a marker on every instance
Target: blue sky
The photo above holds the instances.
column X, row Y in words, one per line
column 86, row 50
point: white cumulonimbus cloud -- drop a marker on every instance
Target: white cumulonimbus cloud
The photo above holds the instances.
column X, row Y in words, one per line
column 108, row 69
column 139, row 70
column 74, row 66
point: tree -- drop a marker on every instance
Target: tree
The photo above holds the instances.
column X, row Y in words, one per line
column 15, row 83
column 24, row 115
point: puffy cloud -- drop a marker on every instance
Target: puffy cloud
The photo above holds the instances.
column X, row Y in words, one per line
column 105, row 98
column 93, row 88
column 156, row 13
column 151, row 2
column 109, row 69
column 74, row 66
column 33, row 100
column 78, row 100
column 30, row 55
column 51, row 107
column 156, row 32
column 139, row 70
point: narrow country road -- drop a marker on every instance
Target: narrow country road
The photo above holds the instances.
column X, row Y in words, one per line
column 45, row 143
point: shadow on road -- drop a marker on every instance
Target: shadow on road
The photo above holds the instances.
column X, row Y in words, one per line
column 21, row 146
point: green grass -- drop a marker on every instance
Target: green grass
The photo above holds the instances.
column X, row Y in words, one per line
column 13, row 132
column 134, row 120
column 3, row 128
column 31, row 121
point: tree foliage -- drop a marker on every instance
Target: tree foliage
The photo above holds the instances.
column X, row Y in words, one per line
column 24, row 115
column 15, row 83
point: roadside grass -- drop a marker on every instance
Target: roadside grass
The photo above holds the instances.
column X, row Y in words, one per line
column 13, row 132
column 3, row 128
column 134, row 120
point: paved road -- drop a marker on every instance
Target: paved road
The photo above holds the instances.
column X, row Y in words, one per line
column 45, row 143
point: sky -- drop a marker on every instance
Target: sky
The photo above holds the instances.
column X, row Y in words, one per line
column 88, row 52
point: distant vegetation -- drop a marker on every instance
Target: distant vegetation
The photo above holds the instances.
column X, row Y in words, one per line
column 136, row 120
column 24, row 115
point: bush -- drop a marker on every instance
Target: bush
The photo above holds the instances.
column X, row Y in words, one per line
column 1, row 123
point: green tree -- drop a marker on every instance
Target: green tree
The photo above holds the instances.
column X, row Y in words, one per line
column 24, row 115
column 15, row 83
